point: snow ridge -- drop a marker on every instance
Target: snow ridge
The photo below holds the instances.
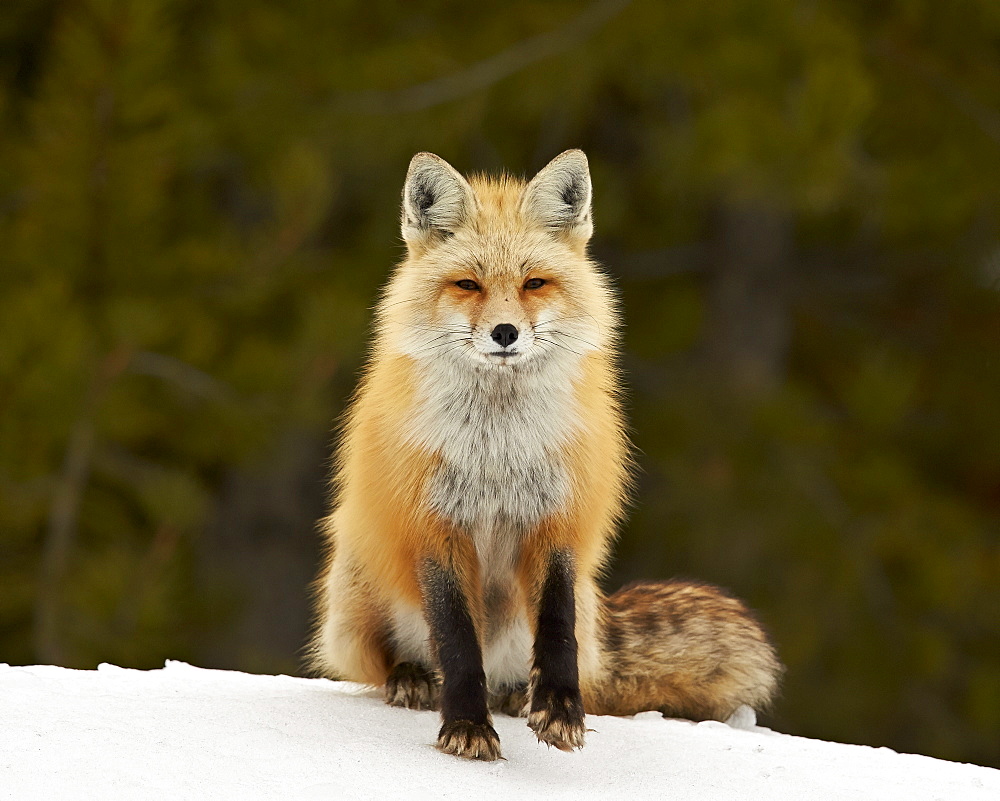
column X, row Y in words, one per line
column 187, row 733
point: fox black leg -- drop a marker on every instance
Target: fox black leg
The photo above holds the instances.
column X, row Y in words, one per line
column 555, row 711
column 467, row 729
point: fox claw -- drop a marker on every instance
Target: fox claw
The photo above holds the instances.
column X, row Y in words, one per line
column 412, row 686
column 469, row 740
column 557, row 719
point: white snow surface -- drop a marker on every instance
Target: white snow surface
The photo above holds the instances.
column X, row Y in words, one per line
column 187, row 733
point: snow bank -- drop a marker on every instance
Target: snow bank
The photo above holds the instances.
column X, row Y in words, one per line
column 186, row 733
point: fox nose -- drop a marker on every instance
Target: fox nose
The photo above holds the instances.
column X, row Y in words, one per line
column 504, row 334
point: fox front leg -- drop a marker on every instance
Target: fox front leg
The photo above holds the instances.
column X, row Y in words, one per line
column 467, row 729
column 555, row 709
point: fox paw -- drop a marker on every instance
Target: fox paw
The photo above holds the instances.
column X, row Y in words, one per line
column 469, row 740
column 556, row 718
column 511, row 701
column 412, row 686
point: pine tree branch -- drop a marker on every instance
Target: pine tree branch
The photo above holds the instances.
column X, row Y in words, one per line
column 180, row 373
column 985, row 118
column 487, row 72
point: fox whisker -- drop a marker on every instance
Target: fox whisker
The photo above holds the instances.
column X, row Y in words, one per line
column 443, row 344
column 557, row 332
column 558, row 345
column 434, row 329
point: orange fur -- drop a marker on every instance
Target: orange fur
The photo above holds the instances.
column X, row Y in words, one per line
column 405, row 492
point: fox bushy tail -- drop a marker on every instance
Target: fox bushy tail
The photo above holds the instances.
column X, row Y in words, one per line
column 685, row 649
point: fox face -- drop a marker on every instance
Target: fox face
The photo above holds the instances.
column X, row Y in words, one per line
column 497, row 276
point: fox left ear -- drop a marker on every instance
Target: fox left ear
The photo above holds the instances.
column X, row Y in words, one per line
column 559, row 196
column 437, row 200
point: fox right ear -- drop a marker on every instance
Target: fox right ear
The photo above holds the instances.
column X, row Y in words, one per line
column 436, row 199
column 559, row 197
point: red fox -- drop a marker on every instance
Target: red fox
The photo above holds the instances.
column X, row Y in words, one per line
column 481, row 475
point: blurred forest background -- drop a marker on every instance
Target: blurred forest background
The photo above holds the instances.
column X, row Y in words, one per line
column 798, row 199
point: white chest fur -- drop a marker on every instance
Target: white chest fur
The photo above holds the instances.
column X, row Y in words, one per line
column 501, row 436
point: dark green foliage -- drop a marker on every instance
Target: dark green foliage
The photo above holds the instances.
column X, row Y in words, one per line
column 198, row 202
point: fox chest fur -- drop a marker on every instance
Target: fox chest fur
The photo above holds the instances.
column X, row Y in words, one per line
column 500, row 439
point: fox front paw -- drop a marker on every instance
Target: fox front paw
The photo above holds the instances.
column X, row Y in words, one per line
column 469, row 740
column 412, row 686
column 556, row 718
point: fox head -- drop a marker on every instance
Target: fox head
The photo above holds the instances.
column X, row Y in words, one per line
column 497, row 275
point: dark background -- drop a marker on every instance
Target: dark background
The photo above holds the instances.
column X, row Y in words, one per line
column 798, row 200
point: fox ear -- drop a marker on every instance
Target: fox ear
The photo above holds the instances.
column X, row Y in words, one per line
column 559, row 196
column 436, row 199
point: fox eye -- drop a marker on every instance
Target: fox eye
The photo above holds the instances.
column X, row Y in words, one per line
column 534, row 283
column 472, row 286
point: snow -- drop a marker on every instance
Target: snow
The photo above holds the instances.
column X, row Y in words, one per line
column 187, row 733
